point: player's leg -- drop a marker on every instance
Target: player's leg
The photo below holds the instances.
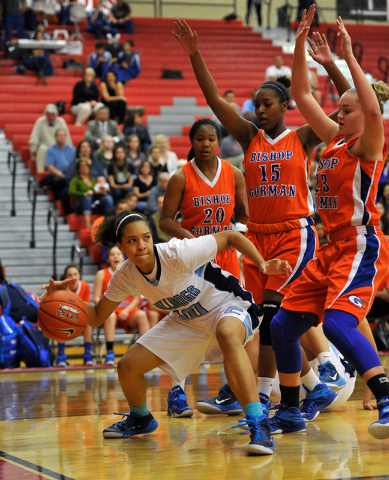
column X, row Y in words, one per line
column 88, row 359
column 109, row 332
column 137, row 320
column 131, row 368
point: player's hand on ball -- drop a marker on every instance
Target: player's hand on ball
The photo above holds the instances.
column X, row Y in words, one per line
column 54, row 285
column 275, row 266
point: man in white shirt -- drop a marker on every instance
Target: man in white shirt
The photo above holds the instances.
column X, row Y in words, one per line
column 278, row 69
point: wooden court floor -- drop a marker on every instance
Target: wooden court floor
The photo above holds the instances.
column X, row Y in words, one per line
column 51, row 423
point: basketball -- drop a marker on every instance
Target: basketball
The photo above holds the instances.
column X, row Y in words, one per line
column 62, row 315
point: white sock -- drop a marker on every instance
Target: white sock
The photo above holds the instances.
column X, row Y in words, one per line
column 265, row 385
column 324, row 357
column 310, row 380
column 181, row 384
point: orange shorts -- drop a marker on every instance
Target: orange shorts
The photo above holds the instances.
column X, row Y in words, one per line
column 228, row 260
column 126, row 323
column 296, row 246
column 345, row 275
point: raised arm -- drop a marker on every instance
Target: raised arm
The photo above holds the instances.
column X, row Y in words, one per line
column 241, row 129
column 324, row 127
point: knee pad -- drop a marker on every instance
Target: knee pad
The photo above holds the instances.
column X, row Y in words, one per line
column 269, row 310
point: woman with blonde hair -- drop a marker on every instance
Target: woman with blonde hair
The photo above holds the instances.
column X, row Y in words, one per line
column 104, row 154
column 168, row 157
column 85, row 97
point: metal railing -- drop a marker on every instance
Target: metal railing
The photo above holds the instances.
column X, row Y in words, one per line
column 12, row 160
column 32, row 193
column 52, row 225
column 76, row 250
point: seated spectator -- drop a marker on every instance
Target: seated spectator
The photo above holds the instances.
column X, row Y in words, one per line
column 37, row 61
column 104, row 153
column 58, row 158
column 63, row 12
column 120, row 174
column 131, row 199
column 101, row 188
column 156, row 163
column 85, row 97
column 13, row 18
column 158, row 235
column 127, row 65
column 314, row 81
column 134, row 155
column 100, row 60
column 384, row 219
column 120, row 16
column 280, row 70
column 168, row 157
column 81, row 190
column 231, row 150
column 143, row 183
column 229, row 95
column 98, row 22
column 134, row 126
column 155, row 192
column 101, row 126
column 248, row 109
column 40, row 27
column 112, row 95
column 43, row 135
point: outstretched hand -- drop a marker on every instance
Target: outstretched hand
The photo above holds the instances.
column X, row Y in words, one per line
column 319, row 51
column 305, row 24
column 53, row 286
column 185, row 37
column 275, row 266
column 346, row 46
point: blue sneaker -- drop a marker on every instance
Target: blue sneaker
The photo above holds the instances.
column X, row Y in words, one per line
column 320, row 397
column 287, row 420
column 225, row 402
column 88, row 360
column 380, row 428
column 261, row 442
column 265, row 403
column 110, row 358
column 330, row 376
column 176, row 403
column 130, row 426
column 61, row 360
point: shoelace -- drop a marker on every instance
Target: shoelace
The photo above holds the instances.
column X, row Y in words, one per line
column 323, row 370
column 250, row 424
column 124, row 416
column 306, row 406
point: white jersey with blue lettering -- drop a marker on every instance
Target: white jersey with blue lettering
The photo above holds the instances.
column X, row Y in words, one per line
column 197, row 292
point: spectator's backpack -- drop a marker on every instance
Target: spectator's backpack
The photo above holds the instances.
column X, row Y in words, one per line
column 8, row 342
column 33, row 347
column 17, row 303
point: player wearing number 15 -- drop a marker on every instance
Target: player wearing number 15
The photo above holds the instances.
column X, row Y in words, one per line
column 210, row 315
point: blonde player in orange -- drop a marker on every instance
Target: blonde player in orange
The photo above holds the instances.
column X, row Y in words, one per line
column 207, row 194
column 278, row 202
column 82, row 289
column 128, row 315
column 338, row 286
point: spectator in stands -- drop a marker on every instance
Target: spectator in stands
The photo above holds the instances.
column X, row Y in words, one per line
column 251, row 5
column 100, row 60
column 128, row 64
column 134, row 155
column 120, row 16
column 63, row 12
column 120, row 174
column 58, row 158
column 101, row 126
column 229, row 95
column 128, row 315
column 82, row 289
column 38, row 60
column 157, row 164
column 81, row 189
column 314, row 81
column 104, row 153
column 43, row 135
column 143, row 183
column 112, row 96
column 131, row 199
column 280, row 70
column 14, row 18
column 40, row 27
column 248, row 109
column 158, row 235
column 85, row 97
column 168, row 157
column 231, row 150
column 134, row 125
column 98, row 22
column 155, row 192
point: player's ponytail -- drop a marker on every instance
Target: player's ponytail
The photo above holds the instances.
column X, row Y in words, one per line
column 381, row 89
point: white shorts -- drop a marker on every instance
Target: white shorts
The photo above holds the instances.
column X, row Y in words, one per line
column 183, row 345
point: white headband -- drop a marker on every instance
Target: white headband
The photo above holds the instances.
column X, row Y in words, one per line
column 127, row 216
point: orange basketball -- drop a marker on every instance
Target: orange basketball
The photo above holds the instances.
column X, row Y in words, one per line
column 62, row 315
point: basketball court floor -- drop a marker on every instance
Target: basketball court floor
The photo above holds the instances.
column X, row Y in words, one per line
column 51, row 422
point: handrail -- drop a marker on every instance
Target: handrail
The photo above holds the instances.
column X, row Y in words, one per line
column 77, row 250
column 52, row 217
column 12, row 160
column 32, row 192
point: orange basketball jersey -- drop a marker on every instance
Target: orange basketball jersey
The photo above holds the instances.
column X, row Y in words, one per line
column 83, row 290
column 107, row 277
column 276, row 177
column 208, row 206
column 344, row 199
